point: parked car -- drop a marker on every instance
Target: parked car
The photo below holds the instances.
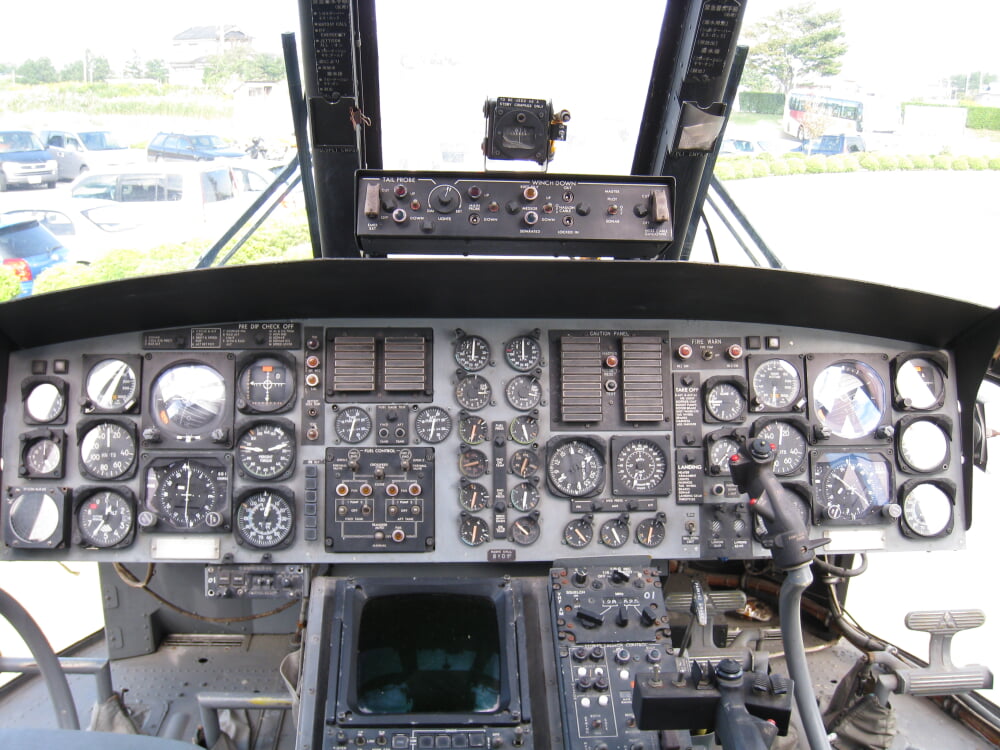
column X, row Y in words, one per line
column 77, row 151
column 24, row 160
column 28, row 248
column 191, row 147
column 831, row 145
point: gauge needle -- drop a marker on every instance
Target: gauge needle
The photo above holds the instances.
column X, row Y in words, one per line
column 580, row 534
column 267, row 508
column 649, row 536
column 614, row 533
column 187, row 494
column 475, row 533
column 278, row 447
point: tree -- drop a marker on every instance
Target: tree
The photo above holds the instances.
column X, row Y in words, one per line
column 72, row 72
column 37, row 71
column 157, row 70
column 133, row 68
column 794, row 43
column 243, row 64
column 100, row 69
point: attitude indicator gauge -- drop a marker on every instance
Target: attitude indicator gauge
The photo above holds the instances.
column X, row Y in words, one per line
column 189, row 399
column 848, row 398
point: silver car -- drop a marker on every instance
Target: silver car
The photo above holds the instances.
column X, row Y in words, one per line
column 79, row 151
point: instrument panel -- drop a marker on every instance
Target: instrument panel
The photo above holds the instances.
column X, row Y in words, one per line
column 472, row 440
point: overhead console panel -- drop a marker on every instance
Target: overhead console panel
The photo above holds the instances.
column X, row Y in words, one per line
column 465, row 440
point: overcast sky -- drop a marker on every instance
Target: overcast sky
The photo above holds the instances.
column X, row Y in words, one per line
column 928, row 39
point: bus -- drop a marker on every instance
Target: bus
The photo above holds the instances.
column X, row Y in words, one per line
column 811, row 113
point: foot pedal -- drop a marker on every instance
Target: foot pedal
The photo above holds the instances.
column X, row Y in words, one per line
column 941, row 676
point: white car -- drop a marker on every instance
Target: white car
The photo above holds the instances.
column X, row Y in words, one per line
column 80, row 151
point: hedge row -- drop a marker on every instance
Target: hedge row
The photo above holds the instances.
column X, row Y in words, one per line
column 769, row 165
column 976, row 117
column 762, row 102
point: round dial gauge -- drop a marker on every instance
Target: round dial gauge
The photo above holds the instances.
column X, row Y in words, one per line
column 112, row 385
column 578, row 533
column 615, row 533
column 524, row 463
column 523, row 392
column 186, row 494
column 523, row 429
column 44, row 456
column 474, row 497
column 641, row 465
column 719, row 454
column 776, row 383
column 474, row 531
column 650, row 532
column 432, row 424
column 264, row 519
column 524, row 497
column 923, row 445
column 919, row 383
column 849, row 399
column 523, row 353
column 34, row 516
column 104, row 519
column 266, row 385
column 45, row 403
column 927, row 510
column 852, row 487
column 576, row 468
column 525, row 530
column 352, row 424
column 472, row 463
column 472, row 353
column 725, row 402
column 473, row 430
column 107, row 451
column 789, row 445
column 266, row 450
column 189, row 398
column 473, row 392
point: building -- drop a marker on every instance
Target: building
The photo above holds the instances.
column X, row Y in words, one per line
column 191, row 49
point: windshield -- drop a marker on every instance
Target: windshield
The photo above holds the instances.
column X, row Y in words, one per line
column 12, row 142
column 100, row 141
column 208, row 141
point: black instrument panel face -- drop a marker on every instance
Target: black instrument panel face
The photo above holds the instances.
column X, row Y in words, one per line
column 474, row 440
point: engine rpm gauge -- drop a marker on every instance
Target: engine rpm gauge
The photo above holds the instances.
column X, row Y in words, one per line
column 264, row 519
column 919, row 383
column 725, row 402
column 107, row 451
column 523, row 392
column 188, row 399
column 523, row 353
column 472, row 353
column 576, row 468
column 266, row 450
column 352, row 424
column 789, row 446
column 641, row 465
column 848, row 398
column 776, row 384
column 432, row 424
column 473, row 392
column 105, row 519
column 112, row 385
column 266, row 385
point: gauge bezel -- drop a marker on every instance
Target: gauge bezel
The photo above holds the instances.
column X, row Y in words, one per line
column 530, row 417
column 485, row 462
column 219, row 463
column 244, row 427
column 619, row 484
column 535, row 362
column 934, row 357
column 57, row 539
column 33, row 437
column 460, row 340
column 949, row 488
column 584, row 522
column 338, row 414
column 285, row 494
column 621, row 522
column 172, row 437
column 534, row 494
column 29, row 384
column 907, row 421
column 816, row 364
column 245, row 362
column 467, row 484
column 472, row 419
column 525, row 452
column 757, row 406
column 86, row 425
column 736, row 381
column 659, row 520
column 535, row 529
column 416, row 424
column 91, row 361
column 798, row 423
column 469, row 378
column 597, row 444
column 82, row 494
column 819, row 458
column 532, row 402
column 466, row 519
